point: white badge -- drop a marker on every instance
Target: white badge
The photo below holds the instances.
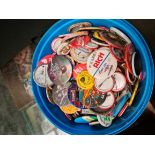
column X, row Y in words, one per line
column 101, row 64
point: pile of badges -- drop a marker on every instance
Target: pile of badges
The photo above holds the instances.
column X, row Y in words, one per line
column 92, row 73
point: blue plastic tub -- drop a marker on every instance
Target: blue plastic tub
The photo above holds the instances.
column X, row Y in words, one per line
column 57, row 117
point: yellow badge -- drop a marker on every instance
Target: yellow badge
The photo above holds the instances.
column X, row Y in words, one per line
column 85, row 80
column 69, row 109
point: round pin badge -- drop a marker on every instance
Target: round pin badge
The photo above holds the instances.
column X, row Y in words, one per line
column 120, row 82
column 91, row 29
column 135, row 72
column 79, row 42
column 74, row 34
column 46, row 60
column 108, row 103
column 75, row 95
column 60, row 69
column 117, row 53
column 80, row 55
column 113, row 39
column 85, row 80
column 105, row 120
column 85, row 119
column 93, row 98
column 69, row 109
column 104, row 85
column 41, row 77
column 78, row 69
column 101, row 64
column 60, row 94
column 130, row 77
column 99, row 42
column 75, row 27
column 129, row 50
column 63, row 49
column 121, row 34
column 55, row 44
column 49, row 95
column 91, row 45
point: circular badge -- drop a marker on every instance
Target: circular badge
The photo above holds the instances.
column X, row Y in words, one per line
column 69, row 109
column 85, row 119
column 78, row 69
column 99, row 42
column 104, row 120
column 108, row 103
column 120, row 81
column 63, row 49
column 113, row 39
column 74, row 34
column 121, row 34
column 101, row 64
column 117, row 53
column 130, row 77
column 55, row 44
column 129, row 50
column 136, row 74
column 75, row 27
column 104, row 85
column 80, row 55
column 85, row 80
column 75, row 95
column 60, row 94
column 93, row 98
column 91, row 29
column 91, row 45
column 49, row 95
column 46, row 60
column 79, row 42
column 60, row 69
column 41, row 77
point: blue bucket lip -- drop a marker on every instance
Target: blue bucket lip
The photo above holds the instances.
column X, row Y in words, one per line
column 65, row 127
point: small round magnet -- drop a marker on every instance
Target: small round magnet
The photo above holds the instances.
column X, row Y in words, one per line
column 120, row 81
column 41, row 77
